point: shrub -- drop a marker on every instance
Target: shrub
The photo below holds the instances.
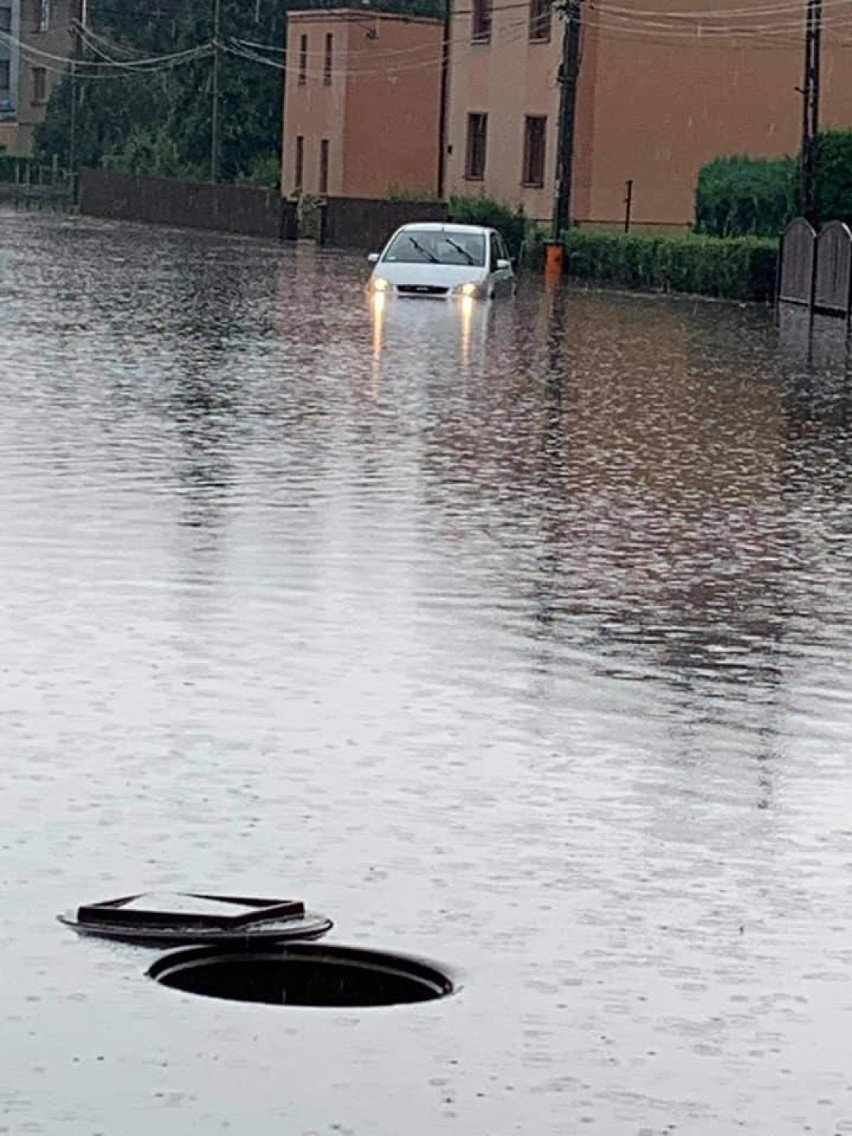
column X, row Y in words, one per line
column 265, row 172
column 738, row 268
column 742, row 196
column 485, row 211
column 833, row 182
column 399, row 193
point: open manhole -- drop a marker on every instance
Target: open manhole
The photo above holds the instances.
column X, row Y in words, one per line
column 303, row 974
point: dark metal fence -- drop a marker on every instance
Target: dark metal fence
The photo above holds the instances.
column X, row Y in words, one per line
column 187, row 204
column 366, row 223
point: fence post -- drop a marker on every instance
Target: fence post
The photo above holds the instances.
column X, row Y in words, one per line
column 779, row 273
column 322, row 220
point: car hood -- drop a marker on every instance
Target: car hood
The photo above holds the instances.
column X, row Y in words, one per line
column 436, row 275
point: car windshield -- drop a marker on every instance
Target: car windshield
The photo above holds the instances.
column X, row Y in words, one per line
column 435, row 246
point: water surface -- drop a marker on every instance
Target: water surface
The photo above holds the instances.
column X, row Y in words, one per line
column 513, row 637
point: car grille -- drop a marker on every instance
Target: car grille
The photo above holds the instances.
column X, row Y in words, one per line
column 421, row 290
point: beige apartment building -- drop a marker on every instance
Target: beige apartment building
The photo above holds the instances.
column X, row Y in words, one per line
column 36, row 36
column 503, row 102
column 657, row 99
column 361, row 103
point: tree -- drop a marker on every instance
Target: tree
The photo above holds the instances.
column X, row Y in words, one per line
column 158, row 120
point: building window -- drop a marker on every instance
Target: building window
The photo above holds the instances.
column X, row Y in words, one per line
column 4, row 77
column 535, row 134
column 303, row 60
column 326, row 68
column 477, row 137
column 300, row 163
column 540, row 17
column 323, row 170
column 44, row 16
column 5, row 19
column 39, row 86
column 481, row 20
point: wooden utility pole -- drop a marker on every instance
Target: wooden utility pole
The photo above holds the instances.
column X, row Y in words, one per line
column 214, row 110
column 810, row 109
column 569, row 71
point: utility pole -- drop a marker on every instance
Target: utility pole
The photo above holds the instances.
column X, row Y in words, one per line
column 810, row 109
column 214, row 111
column 79, row 27
column 569, row 71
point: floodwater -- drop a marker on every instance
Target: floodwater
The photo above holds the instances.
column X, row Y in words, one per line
column 516, row 638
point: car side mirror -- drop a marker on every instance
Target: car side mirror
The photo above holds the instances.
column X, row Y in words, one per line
column 504, row 264
column 373, row 257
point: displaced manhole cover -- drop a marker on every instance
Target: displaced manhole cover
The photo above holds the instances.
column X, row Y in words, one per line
column 173, row 919
column 303, row 974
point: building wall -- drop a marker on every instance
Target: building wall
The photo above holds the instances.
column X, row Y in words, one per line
column 507, row 78
column 9, row 95
column 43, row 29
column 651, row 108
column 379, row 113
column 55, row 41
column 313, row 109
column 392, row 107
column 656, row 112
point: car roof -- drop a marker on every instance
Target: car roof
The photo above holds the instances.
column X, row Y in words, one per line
column 444, row 227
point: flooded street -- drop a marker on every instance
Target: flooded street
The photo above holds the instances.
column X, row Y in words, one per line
column 517, row 638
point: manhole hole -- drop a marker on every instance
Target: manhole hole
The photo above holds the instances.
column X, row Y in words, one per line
column 303, row 974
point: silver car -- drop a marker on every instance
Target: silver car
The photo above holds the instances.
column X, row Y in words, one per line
column 438, row 260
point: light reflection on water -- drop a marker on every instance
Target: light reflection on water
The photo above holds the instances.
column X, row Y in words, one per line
column 514, row 634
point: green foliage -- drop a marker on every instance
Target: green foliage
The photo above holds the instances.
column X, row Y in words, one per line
column 485, row 211
column 742, row 196
column 398, row 193
column 833, row 183
column 741, row 268
column 265, row 172
column 159, row 122
column 148, row 150
column 164, row 116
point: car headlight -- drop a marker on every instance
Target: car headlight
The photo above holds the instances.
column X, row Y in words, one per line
column 380, row 284
column 470, row 289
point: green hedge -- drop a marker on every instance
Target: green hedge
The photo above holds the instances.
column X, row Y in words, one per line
column 737, row 197
column 757, row 196
column 739, row 268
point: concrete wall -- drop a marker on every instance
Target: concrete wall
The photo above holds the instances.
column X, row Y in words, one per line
column 379, row 113
column 358, row 222
column 194, row 205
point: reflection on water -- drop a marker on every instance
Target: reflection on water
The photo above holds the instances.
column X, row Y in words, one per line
column 515, row 634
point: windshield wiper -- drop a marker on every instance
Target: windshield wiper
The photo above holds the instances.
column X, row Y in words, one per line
column 429, row 255
column 460, row 248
